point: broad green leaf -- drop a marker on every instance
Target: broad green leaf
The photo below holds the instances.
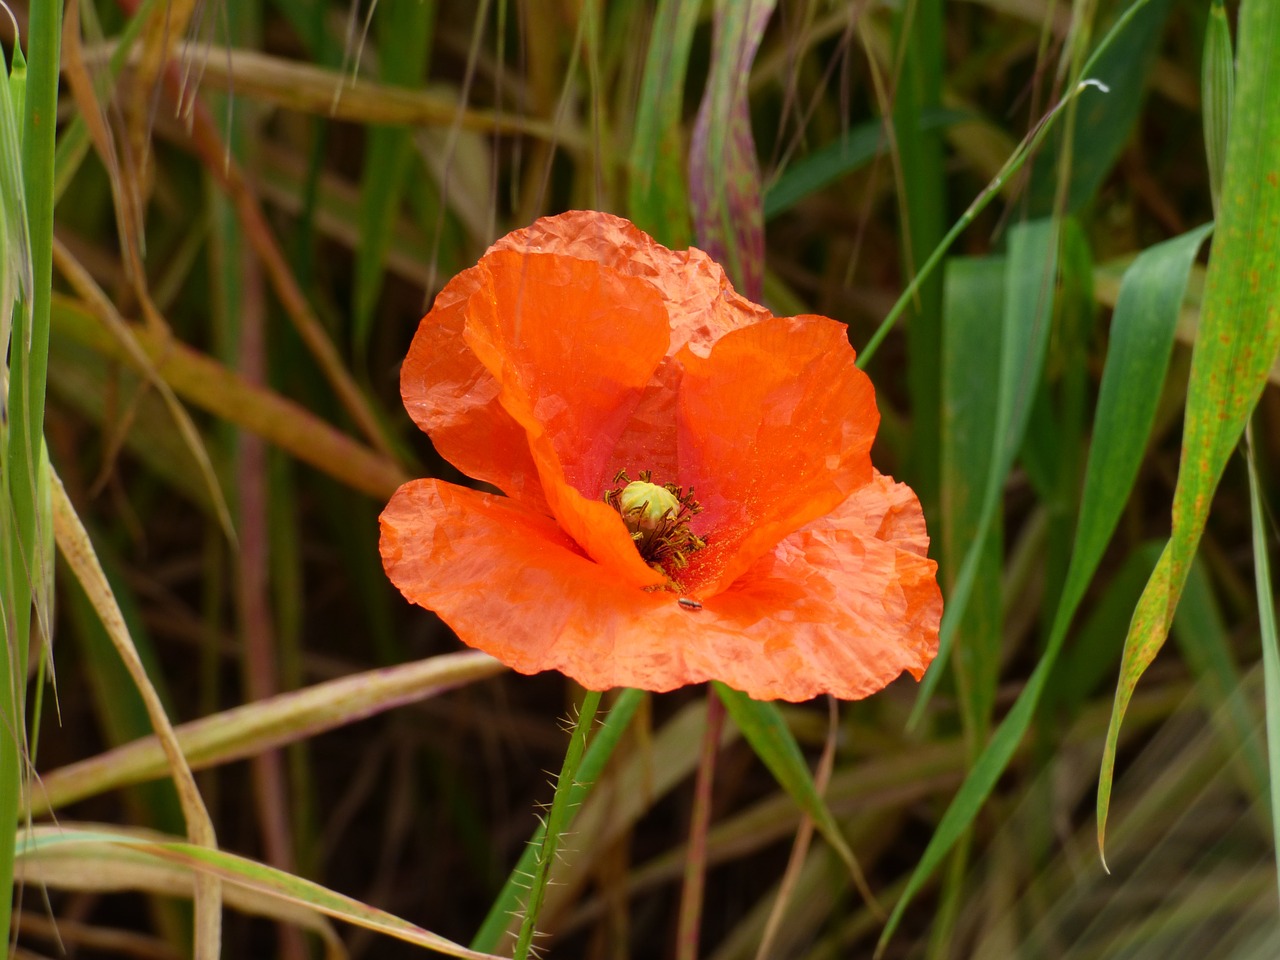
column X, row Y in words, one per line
column 1235, row 346
column 1029, row 282
column 1141, row 328
column 762, row 726
column 724, row 174
column 657, row 197
column 973, row 300
column 510, row 899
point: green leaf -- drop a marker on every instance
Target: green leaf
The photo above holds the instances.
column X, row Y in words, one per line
column 657, row 197
column 1236, row 343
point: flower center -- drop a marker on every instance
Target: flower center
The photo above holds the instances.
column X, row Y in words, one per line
column 658, row 518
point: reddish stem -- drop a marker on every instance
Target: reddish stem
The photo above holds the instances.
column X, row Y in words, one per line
column 689, row 925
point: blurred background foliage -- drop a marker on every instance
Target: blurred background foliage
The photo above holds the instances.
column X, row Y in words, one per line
column 256, row 201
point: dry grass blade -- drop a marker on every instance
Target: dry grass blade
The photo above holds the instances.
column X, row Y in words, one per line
column 307, row 88
column 106, row 312
column 112, row 867
column 255, row 727
column 76, row 549
column 211, row 386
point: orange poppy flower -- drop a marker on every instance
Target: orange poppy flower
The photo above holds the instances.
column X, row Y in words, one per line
column 764, row 550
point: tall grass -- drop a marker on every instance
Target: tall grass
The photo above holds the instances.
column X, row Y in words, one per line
column 1050, row 229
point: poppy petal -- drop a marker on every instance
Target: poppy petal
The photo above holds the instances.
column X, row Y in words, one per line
column 775, row 430
column 702, row 306
column 842, row 607
column 572, row 347
column 451, row 396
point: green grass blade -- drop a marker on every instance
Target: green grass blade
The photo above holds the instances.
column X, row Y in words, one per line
column 1104, row 125
column 1206, row 644
column 855, row 149
column 920, row 34
column 1270, row 645
column 1217, row 90
column 405, row 39
column 762, row 726
column 24, row 412
column 1237, row 342
column 510, row 898
column 1145, row 318
column 1026, row 319
column 657, row 197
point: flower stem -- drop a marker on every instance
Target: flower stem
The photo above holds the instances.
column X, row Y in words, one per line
column 557, row 821
column 695, row 865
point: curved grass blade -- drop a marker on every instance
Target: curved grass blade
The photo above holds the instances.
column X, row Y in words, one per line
column 249, row 875
column 252, row 728
column 1237, row 342
column 762, row 726
column 1142, row 331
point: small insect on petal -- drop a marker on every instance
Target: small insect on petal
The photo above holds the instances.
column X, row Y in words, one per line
column 689, row 603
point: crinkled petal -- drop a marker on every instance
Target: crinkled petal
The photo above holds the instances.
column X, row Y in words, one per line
column 451, row 396
column 572, row 346
column 775, row 430
column 842, row 607
column 701, row 304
